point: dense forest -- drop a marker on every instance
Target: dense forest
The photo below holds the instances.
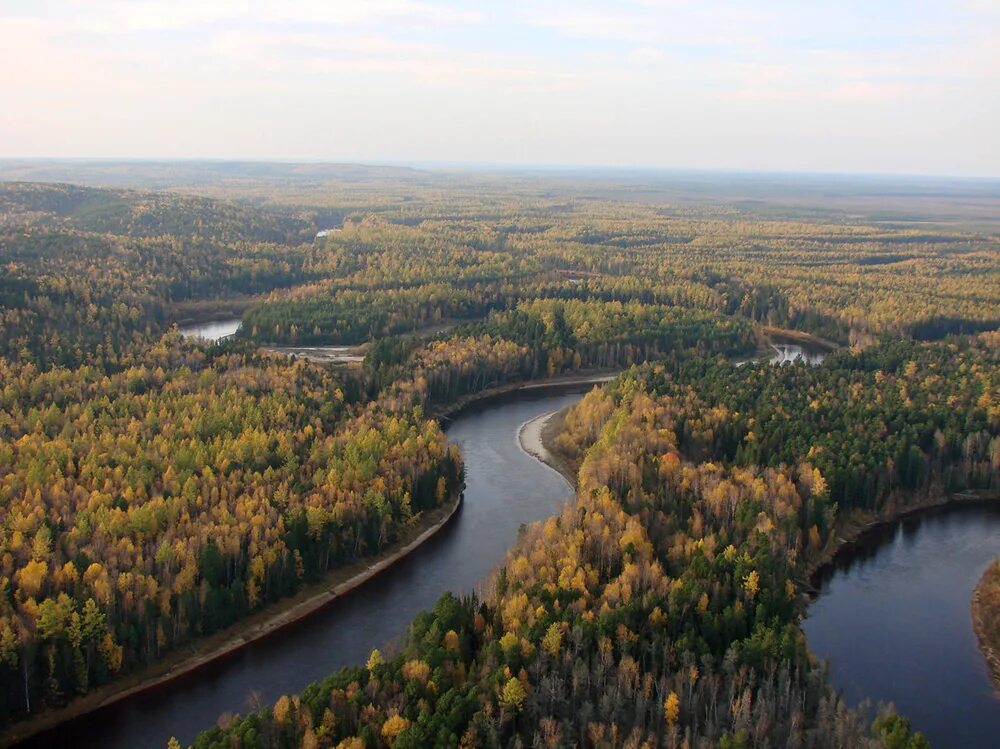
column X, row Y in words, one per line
column 155, row 489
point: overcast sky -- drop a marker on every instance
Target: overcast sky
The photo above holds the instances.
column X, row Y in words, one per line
column 908, row 86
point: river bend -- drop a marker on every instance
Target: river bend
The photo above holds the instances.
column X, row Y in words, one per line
column 893, row 619
column 505, row 487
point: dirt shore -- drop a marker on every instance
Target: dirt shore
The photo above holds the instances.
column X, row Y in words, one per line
column 986, row 618
column 782, row 335
column 537, row 437
column 852, row 530
column 593, row 377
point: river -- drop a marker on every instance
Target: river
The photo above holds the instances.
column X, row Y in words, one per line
column 505, row 487
column 893, row 619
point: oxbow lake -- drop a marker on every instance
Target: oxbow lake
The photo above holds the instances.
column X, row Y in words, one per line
column 211, row 331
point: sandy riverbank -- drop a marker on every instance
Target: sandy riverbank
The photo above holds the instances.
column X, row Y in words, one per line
column 537, row 437
column 450, row 411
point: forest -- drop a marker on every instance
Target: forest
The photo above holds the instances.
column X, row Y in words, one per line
column 660, row 607
column 155, row 489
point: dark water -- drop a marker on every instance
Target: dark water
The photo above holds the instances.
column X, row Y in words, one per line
column 505, row 488
column 790, row 352
column 894, row 622
column 211, row 331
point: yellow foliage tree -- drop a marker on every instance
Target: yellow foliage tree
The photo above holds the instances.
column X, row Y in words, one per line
column 513, row 695
column 393, row 726
column 552, row 641
column 672, row 708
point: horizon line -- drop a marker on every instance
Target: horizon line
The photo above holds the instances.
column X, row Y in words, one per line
column 444, row 165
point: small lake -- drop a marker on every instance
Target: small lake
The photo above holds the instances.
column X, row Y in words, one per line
column 790, row 352
column 784, row 353
column 211, row 331
column 322, row 354
column 893, row 619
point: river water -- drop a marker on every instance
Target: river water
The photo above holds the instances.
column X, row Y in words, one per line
column 893, row 619
column 505, row 487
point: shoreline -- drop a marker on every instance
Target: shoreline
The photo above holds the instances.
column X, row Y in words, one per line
column 852, row 532
column 446, row 413
column 989, row 645
column 283, row 613
column 260, row 625
column 800, row 337
column 536, row 437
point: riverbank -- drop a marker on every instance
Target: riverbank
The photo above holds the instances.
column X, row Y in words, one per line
column 986, row 618
column 264, row 623
column 448, row 412
column 202, row 312
column 854, row 530
column 537, row 437
column 771, row 334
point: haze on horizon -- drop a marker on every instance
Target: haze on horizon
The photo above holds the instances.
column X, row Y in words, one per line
column 891, row 87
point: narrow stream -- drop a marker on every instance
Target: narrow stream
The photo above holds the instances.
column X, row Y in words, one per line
column 505, row 488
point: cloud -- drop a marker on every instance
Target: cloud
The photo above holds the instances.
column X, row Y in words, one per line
column 121, row 16
column 640, row 81
column 646, row 55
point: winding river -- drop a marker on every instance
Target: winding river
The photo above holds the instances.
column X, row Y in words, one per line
column 505, row 488
column 893, row 619
column 892, row 615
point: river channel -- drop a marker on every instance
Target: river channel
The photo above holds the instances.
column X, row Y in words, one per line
column 505, row 487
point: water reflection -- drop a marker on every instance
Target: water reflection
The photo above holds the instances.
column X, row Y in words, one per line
column 211, row 331
column 893, row 619
column 787, row 352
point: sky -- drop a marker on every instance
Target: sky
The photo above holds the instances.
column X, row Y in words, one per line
column 894, row 86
